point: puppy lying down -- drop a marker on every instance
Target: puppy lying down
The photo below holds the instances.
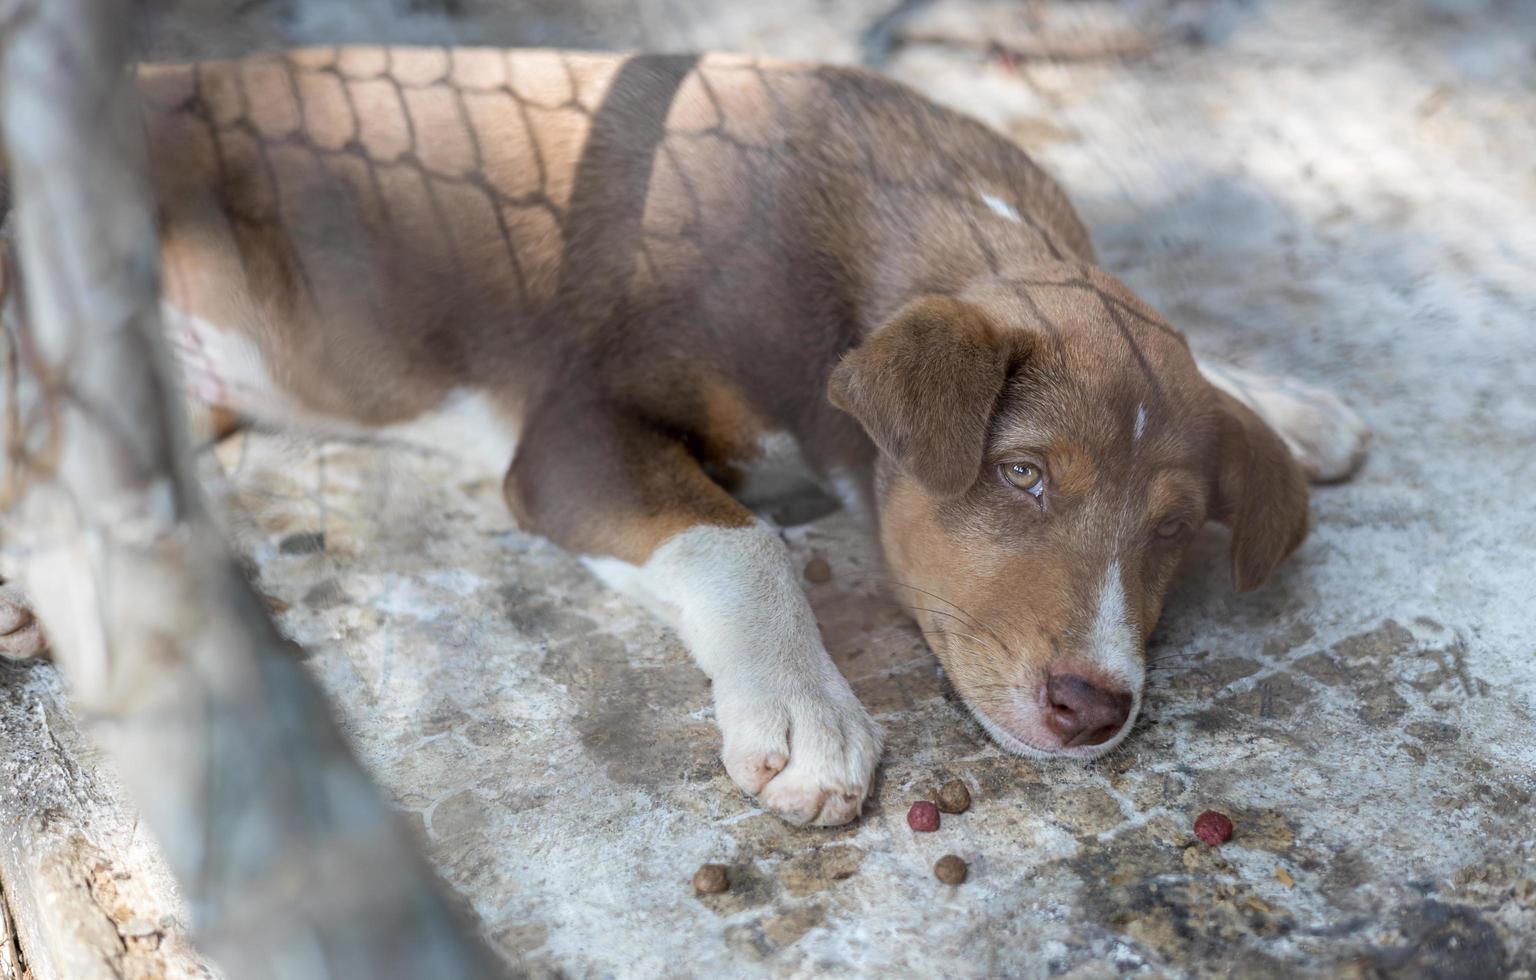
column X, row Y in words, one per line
column 619, row 279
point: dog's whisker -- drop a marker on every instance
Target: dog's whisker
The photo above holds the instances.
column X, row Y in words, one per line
column 936, row 612
column 975, row 621
column 993, row 642
column 932, row 595
column 1177, row 659
column 965, row 636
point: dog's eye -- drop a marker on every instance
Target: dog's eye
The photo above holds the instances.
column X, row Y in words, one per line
column 1025, row 476
column 1173, row 527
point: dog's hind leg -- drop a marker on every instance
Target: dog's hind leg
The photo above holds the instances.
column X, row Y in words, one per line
column 637, row 505
column 1325, row 435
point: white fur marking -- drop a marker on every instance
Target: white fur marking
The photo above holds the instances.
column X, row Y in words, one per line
column 795, row 736
column 999, row 206
column 1112, row 642
column 724, row 589
column 468, row 424
column 225, row 368
column 1141, row 422
column 848, row 491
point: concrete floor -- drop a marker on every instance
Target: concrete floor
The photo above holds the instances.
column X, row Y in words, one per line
column 1337, row 190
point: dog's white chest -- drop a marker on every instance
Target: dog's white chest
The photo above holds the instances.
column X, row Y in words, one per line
column 778, row 470
column 780, row 484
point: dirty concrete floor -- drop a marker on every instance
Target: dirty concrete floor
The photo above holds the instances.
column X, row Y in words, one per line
column 1336, row 190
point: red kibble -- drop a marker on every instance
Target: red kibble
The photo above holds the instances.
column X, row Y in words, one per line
column 923, row 817
column 1213, row 828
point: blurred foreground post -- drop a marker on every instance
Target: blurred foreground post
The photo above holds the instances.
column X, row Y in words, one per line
column 289, row 861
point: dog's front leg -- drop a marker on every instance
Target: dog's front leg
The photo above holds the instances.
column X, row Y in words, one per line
column 636, row 504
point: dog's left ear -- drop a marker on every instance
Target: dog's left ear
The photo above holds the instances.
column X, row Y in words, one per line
column 924, row 386
column 1261, row 493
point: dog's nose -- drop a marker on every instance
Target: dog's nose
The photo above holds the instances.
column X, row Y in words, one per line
column 1083, row 713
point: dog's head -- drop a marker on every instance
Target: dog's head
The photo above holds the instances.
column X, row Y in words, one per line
column 1048, row 451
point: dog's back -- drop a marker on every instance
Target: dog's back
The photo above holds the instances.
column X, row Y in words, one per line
column 360, row 232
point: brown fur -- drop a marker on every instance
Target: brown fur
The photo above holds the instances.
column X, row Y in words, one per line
column 1260, row 492
column 925, row 385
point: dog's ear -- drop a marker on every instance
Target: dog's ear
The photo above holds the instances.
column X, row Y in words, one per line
column 1260, row 492
column 924, row 386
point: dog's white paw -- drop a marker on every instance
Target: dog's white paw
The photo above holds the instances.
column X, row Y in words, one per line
column 1326, row 437
column 21, row 635
column 807, row 754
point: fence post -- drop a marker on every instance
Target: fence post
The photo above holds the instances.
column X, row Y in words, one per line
column 290, row 863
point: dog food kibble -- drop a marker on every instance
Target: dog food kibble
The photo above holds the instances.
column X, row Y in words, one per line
column 1213, row 828
column 923, row 816
column 817, row 570
column 950, row 870
column 954, row 797
column 711, row 879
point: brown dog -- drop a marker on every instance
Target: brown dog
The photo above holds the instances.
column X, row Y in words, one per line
column 622, row 280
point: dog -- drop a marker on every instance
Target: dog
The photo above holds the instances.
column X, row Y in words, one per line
column 627, row 282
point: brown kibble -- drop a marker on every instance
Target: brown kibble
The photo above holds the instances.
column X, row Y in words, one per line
column 1284, row 877
column 817, row 570
column 951, row 870
column 711, row 879
column 954, row 797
